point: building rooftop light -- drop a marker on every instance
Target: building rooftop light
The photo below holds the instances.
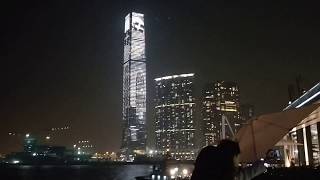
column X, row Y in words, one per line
column 174, row 76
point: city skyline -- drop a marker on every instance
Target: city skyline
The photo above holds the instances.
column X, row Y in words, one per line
column 62, row 63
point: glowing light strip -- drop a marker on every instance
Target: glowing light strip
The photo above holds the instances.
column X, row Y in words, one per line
column 309, row 99
column 168, row 105
column 306, row 154
column 174, row 130
column 310, row 90
column 174, row 76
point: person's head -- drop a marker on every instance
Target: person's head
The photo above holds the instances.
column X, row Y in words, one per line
column 230, row 151
column 207, row 163
column 230, row 147
column 217, row 162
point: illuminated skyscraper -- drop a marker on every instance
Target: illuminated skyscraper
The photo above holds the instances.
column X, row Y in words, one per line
column 175, row 115
column 210, row 127
column 134, row 86
column 219, row 99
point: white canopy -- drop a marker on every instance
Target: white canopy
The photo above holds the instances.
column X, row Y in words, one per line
column 263, row 132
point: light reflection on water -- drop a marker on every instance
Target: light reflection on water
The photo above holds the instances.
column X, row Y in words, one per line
column 74, row 172
column 26, row 166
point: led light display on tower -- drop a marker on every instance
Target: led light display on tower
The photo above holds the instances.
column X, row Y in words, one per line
column 134, row 85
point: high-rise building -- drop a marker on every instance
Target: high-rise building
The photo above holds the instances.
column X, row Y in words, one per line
column 220, row 103
column 210, row 126
column 246, row 112
column 175, row 115
column 134, row 86
column 30, row 144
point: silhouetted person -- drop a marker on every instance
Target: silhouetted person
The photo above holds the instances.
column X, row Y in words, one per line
column 229, row 153
column 207, row 164
column 222, row 163
column 292, row 163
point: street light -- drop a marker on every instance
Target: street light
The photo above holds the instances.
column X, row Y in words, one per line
column 185, row 172
column 151, row 152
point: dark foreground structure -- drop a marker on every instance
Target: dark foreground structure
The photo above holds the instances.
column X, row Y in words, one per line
column 126, row 172
column 306, row 173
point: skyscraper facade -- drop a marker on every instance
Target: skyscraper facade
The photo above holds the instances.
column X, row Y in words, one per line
column 211, row 127
column 246, row 112
column 134, row 86
column 175, row 115
column 220, row 101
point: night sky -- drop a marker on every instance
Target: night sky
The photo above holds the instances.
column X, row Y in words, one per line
column 61, row 60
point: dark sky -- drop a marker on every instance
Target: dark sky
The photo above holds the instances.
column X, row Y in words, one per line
column 61, row 60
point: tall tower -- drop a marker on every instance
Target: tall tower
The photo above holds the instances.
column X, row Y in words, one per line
column 134, row 86
column 175, row 116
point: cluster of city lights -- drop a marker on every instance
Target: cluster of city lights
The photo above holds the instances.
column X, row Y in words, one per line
column 60, row 128
column 175, row 172
column 105, row 156
column 158, row 177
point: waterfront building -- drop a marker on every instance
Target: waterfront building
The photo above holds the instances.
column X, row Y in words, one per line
column 84, row 147
column 134, row 87
column 30, row 143
column 59, row 135
column 210, row 126
column 220, row 103
column 175, row 116
column 305, row 149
